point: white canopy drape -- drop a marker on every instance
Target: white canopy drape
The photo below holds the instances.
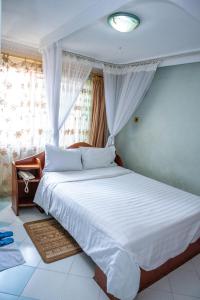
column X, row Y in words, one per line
column 52, row 66
column 125, row 88
column 75, row 72
column 65, row 76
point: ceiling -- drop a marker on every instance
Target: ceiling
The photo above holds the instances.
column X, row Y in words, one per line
column 168, row 27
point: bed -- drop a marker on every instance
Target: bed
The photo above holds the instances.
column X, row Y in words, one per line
column 134, row 228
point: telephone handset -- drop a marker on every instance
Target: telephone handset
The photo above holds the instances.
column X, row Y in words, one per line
column 26, row 176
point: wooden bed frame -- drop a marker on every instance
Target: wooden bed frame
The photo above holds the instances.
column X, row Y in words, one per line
column 147, row 277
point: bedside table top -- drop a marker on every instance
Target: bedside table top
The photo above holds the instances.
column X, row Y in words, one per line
column 27, row 166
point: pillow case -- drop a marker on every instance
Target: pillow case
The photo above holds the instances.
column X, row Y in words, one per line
column 57, row 159
column 93, row 158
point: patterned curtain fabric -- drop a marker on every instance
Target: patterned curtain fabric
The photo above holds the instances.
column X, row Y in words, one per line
column 98, row 131
column 24, row 122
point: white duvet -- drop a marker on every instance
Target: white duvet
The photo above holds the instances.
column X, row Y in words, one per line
column 122, row 220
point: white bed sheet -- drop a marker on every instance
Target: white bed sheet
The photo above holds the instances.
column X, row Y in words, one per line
column 121, row 219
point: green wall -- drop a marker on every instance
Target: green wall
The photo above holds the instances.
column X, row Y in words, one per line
column 165, row 143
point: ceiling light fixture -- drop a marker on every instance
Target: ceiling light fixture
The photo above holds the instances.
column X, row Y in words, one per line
column 123, row 21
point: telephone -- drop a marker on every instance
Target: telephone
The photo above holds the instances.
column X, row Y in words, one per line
column 26, row 176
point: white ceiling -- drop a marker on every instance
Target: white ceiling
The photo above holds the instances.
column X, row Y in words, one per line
column 28, row 21
column 166, row 27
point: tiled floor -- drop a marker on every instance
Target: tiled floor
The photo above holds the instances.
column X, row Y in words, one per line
column 71, row 278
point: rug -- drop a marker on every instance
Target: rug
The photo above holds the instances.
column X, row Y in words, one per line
column 52, row 241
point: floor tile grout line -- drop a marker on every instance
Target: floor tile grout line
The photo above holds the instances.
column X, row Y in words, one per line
column 65, row 273
column 196, row 271
column 100, row 291
column 173, row 296
column 55, row 271
column 9, row 294
column 190, row 296
column 60, row 272
column 185, row 271
column 28, row 280
column 178, row 294
column 32, row 265
column 82, row 276
column 72, row 264
column 160, row 288
column 170, row 285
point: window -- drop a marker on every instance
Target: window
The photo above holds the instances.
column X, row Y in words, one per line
column 24, row 124
column 23, row 107
column 77, row 126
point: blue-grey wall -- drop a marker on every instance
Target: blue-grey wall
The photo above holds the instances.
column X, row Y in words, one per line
column 165, row 143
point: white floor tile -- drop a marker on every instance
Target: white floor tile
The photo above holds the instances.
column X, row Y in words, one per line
column 62, row 265
column 149, row 294
column 7, row 215
column 8, row 297
column 44, row 285
column 4, row 224
column 4, row 202
column 185, row 283
column 82, row 266
column 79, row 288
column 188, row 266
column 30, row 254
column 103, row 296
column 13, row 281
column 31, row 214
column 196, row 263
column 25, row 298
column 162, row 285
column 181, row 297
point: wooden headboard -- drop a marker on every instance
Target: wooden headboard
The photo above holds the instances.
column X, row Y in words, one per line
column 40, row 157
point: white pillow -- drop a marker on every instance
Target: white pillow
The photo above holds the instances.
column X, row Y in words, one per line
column 57, row 159
column 94, row 158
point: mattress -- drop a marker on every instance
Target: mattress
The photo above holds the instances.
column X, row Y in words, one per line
column 122, row 220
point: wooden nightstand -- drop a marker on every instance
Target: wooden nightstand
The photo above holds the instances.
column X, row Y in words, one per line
column 19, row 197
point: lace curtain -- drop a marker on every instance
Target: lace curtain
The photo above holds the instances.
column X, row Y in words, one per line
column 65, row 76
column 24, row 122
column 77, row 126
column 23, row 114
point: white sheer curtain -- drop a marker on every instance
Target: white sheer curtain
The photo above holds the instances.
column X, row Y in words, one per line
column 24, row 118
column 65, row 76
column 24, row 122
column 52, row 67
column 75, row 72
column 76, row 128
column 125, row 88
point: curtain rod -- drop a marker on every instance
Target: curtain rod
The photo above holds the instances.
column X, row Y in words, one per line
column 142, row 62
column 93, row 74
column 37, row 61
column 101, row 62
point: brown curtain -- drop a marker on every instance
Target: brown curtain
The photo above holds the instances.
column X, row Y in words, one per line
column 98, row 131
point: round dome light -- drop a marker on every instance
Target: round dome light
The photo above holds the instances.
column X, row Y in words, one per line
column 123, row 22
